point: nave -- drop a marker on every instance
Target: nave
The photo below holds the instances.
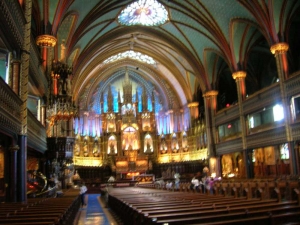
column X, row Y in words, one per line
column 95, row 212
column 147, row 205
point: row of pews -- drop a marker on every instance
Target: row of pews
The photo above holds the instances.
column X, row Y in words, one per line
column 251, row 188
column 147, row 205
column 42, row 211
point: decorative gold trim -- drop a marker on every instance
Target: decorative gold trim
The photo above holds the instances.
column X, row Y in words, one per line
column 46, row 40
column 239, row 74
column 193, row 104
column 281, row 47
column 210, row 93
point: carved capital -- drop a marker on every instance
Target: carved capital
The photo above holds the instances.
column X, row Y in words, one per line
column 210, row 93
column 15, row 61
column 281, row 47
column 239, row 74
column 46, row 41
column 193, row 104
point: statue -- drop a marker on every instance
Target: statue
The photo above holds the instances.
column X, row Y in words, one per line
column 85, row 149
column 112, row 148
column 95, row 150
column 177, row 180
column 148, row 149
column 77, row 149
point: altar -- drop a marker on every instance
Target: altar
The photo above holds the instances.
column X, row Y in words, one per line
column 131, row 163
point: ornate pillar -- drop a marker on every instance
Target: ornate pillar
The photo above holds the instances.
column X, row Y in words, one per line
column 15, row 75
column 24, row 96
column 13, row 175
column 239, row 78
column 210, row 105
column 280, row 50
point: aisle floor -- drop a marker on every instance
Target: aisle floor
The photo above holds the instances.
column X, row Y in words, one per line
column 94, row 212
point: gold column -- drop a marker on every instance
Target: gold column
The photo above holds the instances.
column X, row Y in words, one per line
column 279, row 50
column 210, row 105
column 25, row 53
column 239, row 77
column 25, row 64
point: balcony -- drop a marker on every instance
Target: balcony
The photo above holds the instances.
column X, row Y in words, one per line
column 10, row 119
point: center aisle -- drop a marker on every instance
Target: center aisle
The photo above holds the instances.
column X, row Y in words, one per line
column 94, row 213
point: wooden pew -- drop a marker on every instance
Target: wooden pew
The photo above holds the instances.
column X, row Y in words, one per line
column 209, row 216
column 41, row 211
column 30, row 220
column 261, row 189
column 168, row 207
column 212, row 206
column 239, row 218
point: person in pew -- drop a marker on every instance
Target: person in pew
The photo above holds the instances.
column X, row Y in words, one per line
column 83, row 190
column 211, row 185
column 169, row 185
column 195, row 184
column 203, row 181
column 177, row 181
column 207, row 184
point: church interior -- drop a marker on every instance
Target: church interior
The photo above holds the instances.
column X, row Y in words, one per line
column 147, row 91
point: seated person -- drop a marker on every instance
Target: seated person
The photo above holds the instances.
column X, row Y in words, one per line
column 169, row 185
column 195, row 184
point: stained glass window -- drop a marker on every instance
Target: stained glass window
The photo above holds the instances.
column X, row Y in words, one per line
column 131, row 54
column 144, row 12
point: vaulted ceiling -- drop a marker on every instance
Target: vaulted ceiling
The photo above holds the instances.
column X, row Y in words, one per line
column 190, row 49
